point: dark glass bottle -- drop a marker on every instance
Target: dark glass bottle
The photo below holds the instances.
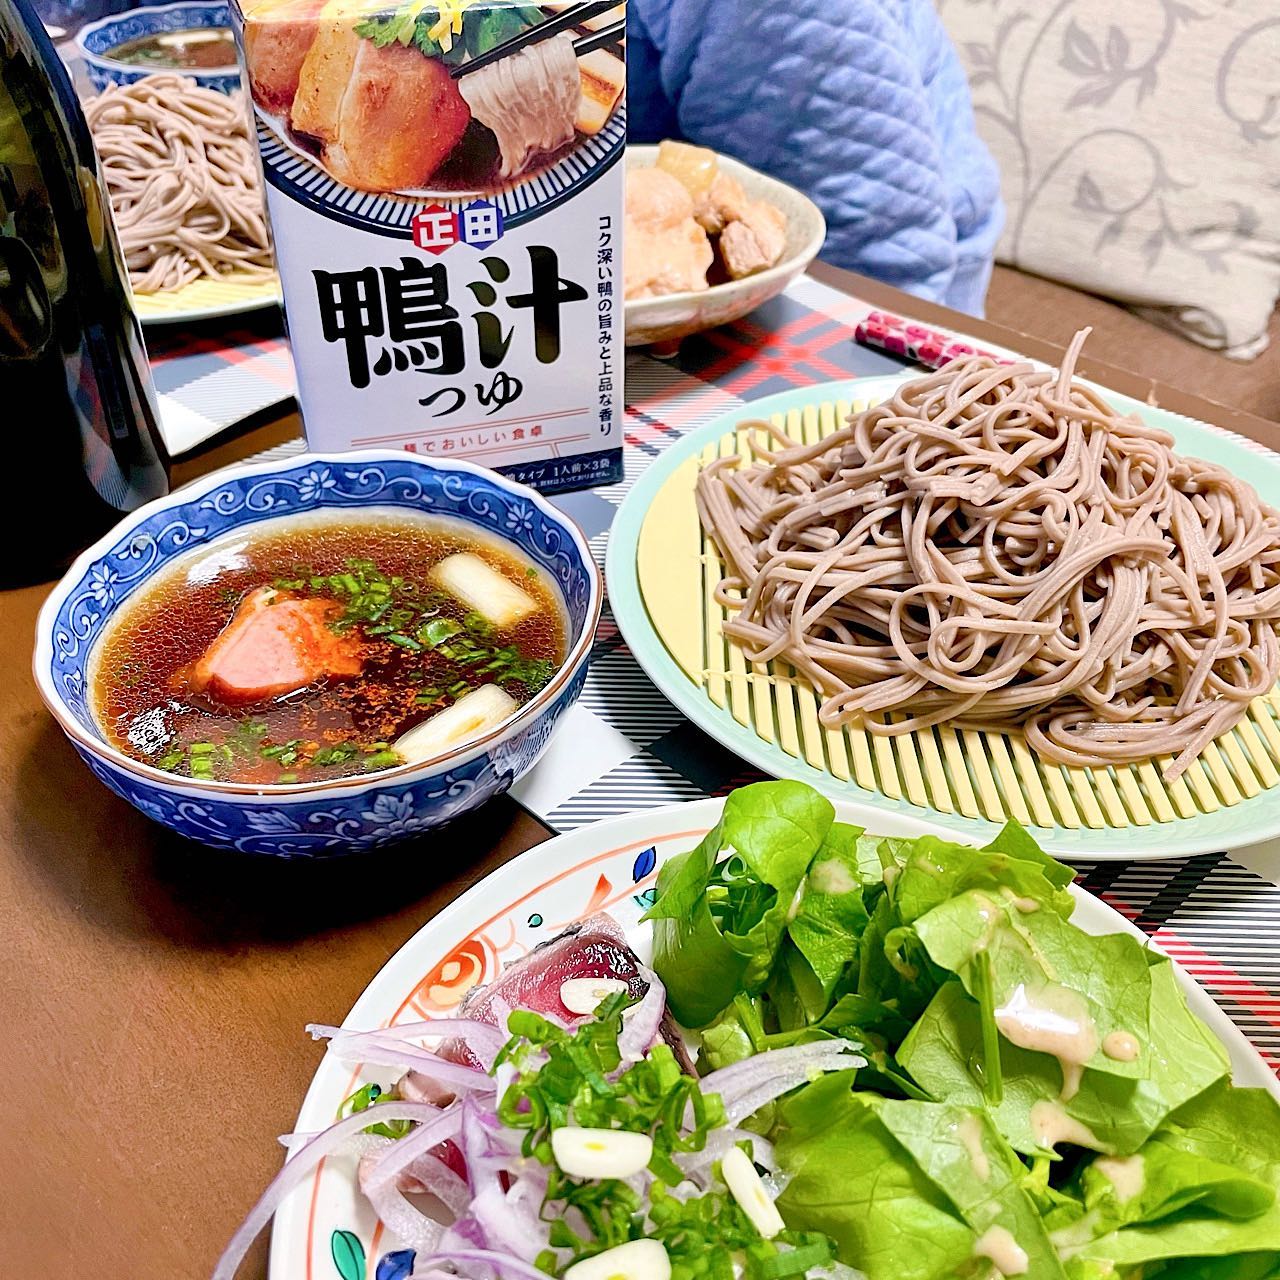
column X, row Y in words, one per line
column 81, row 444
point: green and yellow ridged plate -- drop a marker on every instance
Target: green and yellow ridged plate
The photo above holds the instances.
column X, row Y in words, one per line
column 662, row 570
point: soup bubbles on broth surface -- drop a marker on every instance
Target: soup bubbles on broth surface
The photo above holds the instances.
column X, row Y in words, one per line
column 322, row 648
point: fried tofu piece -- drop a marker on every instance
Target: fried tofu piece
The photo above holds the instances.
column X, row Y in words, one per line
column 324, row 77
column 277, row 39
column 399, row 119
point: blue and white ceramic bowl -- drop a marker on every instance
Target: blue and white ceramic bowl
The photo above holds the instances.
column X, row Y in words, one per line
column 311, row 820
column 96, row 39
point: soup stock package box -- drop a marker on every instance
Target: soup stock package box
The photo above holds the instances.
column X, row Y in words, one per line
column 445, row 192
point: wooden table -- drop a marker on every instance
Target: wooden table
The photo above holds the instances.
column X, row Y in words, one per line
column 154, row 992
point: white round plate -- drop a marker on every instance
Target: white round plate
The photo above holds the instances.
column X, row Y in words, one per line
column 325, row 1230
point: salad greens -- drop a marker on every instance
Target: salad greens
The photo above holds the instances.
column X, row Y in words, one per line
column 1037, row 1101
column 447, row 30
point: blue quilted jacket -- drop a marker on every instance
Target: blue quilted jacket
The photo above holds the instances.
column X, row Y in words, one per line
column 860, row 103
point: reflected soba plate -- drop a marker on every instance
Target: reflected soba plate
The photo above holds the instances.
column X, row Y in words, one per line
column 207, row 299
column 609, row 866
column 661, row 571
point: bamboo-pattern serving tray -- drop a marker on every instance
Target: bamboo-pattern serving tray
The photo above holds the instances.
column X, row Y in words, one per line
column 662, row 571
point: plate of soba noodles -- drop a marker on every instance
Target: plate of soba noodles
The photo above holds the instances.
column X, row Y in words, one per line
column 985, row 593
column 181, row 169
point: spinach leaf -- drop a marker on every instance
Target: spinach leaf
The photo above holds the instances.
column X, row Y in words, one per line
column 701, row 971
column 491, row 28
column 830, row 916
column 718, row 927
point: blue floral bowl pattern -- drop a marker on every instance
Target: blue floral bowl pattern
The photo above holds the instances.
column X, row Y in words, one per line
column 351, row 814
column 96, row 39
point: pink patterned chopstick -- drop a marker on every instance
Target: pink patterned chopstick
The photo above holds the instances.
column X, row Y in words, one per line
column 932, row 347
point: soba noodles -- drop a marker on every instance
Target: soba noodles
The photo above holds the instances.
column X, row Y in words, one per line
column 995, row 547
column 183, row 177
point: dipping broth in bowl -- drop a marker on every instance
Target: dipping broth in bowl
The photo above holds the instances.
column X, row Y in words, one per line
column 195, row 49
column 324, row 647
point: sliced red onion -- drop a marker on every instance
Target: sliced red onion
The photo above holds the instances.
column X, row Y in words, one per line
column 371, row 1047
column 739, row 1075
column 488, row 1148
column 748, row 1103
column 719, row 1142
column 510, row 1220
column 430, row 1133
column 483, row 1040
column 744, row 1087
column 642, row 1022
column 428, row 1173
column 501, row 1011
column 298, row 1166
column 411, row 1227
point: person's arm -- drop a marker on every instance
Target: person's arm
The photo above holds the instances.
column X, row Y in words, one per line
column 830, row 96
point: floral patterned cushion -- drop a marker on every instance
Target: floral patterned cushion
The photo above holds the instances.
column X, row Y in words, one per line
column 1139, row 146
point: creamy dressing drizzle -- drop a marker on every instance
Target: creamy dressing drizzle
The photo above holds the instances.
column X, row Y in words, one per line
column 1127, row 1175
column 831, row 876
column 1120, row 1046
column 998, row 1246
column 969, row 1131
column 1068, row 1241
column 1050, row 1124
column 1055, row 1020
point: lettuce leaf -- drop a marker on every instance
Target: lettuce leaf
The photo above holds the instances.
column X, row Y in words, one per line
column 784, row 926
column 1006, row 955
column 898, row 1186
column 944, row 1053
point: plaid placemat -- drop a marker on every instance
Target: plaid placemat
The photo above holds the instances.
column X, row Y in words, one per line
column 211, row 377
column 624, row 747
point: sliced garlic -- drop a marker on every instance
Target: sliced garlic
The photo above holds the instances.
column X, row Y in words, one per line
column 600, row 1153
column 744, row 1185
column 583, row 995
column 635, row 1260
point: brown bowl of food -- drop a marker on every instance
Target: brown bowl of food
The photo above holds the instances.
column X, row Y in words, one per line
column 708, row 240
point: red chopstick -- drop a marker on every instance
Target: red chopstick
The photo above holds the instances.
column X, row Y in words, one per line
column 932, row 347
